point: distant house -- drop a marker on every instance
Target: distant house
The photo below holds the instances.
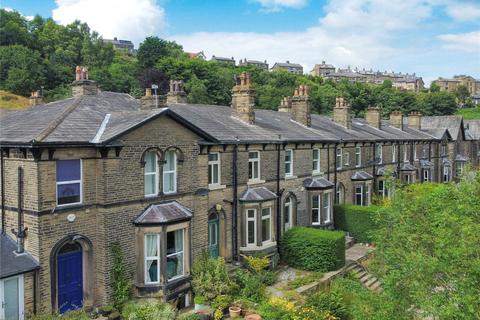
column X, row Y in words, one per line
column 287, row 66
column 126, row 45
column 256, row 63
column 199, row 55
column 223, row 60
column 472, row 84
column 321, row 70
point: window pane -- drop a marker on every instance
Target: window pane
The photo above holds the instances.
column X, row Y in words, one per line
column 169, row 161
column 315, row 218
column 210, row 174
column 251, row 232
column 215, row 174
column 315, row 201
column 287, row 168
column 253, row 155
column 174, row 266
column 212, row 156
column 152, row 271
column 174, row 241
column 68, row 193
column 287, row 213
column 151, row 245
column 68, row 170
column 169, row 182
column 266, row 227
column 150, row 184
column 151, row 162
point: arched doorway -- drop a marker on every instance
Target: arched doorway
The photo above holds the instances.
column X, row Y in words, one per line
column 213, row 234
column 71, row 274
column 70, row 277
column 289, row 211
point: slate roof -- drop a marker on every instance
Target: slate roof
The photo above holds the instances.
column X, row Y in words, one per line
column 473, row 128
column 163, row 213
column 426, row 163
column 287, row 64
column 319, row 183
column 452, row 123
column 257, row 194
column 407, row 167
column 461, row 158
column 11, row 263
column 361, row 175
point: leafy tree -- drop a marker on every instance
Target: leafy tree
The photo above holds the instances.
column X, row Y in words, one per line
column 154, row 48
column 437, row 103
column 429, row 249
column 13, row 28
column 462, row 94
column 434, row 87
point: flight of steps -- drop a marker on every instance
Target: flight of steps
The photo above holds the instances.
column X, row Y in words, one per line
column 368, row 280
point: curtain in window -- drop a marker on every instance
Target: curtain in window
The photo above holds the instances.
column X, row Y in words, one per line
column 169, row 172
column 151, row 251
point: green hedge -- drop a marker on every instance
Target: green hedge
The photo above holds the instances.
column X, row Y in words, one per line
column 313, row 249
column 357, row 220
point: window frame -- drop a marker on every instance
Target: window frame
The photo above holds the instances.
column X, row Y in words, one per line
column 394, row 153
column 271, row 224
column 339, row 154
column 152, row 258
column 446, row 174
column 174, row 171
column 211, row 164
column 317, row 209
column 362, row 201
column 358, row 156
column 251, row 162
column 288, row 213
column 247, row 229
column 405, row 153
column 290, row 162
column 459, row 169
column 328, row 216
column 80, row 182
column 316, row 162
column 176, row 254
column 156, row 174
column 415, row 155
column 379, row 152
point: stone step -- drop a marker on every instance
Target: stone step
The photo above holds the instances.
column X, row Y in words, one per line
column 366, row 277
column 371, row 281
column 360, row 274
column 376, row 286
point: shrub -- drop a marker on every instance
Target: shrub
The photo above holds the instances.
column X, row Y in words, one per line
column 210, row 277
column 199, row 300
column 120, row 283
column 71, row 315
column 148, row 310
column 251, row 286
column 189, row 316
column 219, row 304
column 257, row 264
column 328, row 301
column 313, row 249
column 359, row 221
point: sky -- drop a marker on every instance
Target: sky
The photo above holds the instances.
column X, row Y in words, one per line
column 431, row 38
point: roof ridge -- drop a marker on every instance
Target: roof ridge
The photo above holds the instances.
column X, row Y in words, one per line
column 56, row 122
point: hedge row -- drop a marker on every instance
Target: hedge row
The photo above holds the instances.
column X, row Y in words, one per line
column 313, row 249
column 357, row 220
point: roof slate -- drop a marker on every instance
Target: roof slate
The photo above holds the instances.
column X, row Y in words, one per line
column 361, row 175
column 319, row 183
column 452, row 123
column 12, row 263
column 163, row 213
column 257, row 194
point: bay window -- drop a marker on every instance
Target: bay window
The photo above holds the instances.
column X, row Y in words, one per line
column 69, row 182
column 214, row 168
column 287, row 214
column 359, row 195
column 316, row 161
column 394, row 153
column 405, row 153
column 170, row 172
column 288, row 163
column 446, row 174
column 327, row 208
column 316, row 209
column 253, row 165
column 252, row 227
column 151, row 174
column 175, row 254
column 152, row 258
column 459, row 167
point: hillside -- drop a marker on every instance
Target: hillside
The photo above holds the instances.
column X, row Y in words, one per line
column 11, row 102
column 469, row 113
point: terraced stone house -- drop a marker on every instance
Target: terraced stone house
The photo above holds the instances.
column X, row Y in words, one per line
column 168, row 182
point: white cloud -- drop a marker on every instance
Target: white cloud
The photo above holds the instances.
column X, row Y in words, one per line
column 352, row 32
column 125, row 19
column 463, row 11
column 468, row 42
column 277, row 5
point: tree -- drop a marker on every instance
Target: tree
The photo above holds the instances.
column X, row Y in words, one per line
column 429, row 249
column 154, row 48
column 436, row 103
column 462, row 94
column 13, row 28
column 434, row 87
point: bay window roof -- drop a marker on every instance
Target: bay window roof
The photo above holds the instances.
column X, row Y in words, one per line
column 257, row 194
column 361, row 175
column 316, row 184
column 164, row 213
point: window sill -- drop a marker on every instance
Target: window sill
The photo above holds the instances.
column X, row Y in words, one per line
column 290, row 177
column 216, row 186
column 317, row 174
column 254, row 182
column 259, row 248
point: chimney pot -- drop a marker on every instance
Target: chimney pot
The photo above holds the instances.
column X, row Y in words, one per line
column 82, row 85
column 372, row 117
column 243, row 99
column 300, row 106
column 176, row 94
column 36, row 98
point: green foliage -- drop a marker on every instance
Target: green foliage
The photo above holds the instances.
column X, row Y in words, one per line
column 122, row 288
column 429, row 248
column 328, row 301
column 469, row 113
column 359, row 221
column 257, row 264
column 148, row 310
column 313, row 249
column 71, row 315
column 250, row 285
column 189, row 316
column 153, row 49
column 462, row 93
column 300, row 281
column 210, row 277
column 199, row 300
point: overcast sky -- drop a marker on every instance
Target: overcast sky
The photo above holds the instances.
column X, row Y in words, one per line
column 430, row 37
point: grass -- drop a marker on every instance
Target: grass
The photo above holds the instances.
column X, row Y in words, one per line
column 300, row 281
column 10, row 101
column 469, row 113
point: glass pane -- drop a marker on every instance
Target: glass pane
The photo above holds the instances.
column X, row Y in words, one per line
column 250, row 170
column 288, row 156
column 210, row 177
column 315, row 218
column 169, row 161
column 68, row 193
column 212, row 156
column 266, row 227
column 152, row 271
column 287, row 213
column 150, row 187
column 68, row 170
column 175, row 266
column 287, row 168
column 251, row 232
column 315, row 201
column 169, row 182
column 326, row 200
column 11, row 302
column 255, row 170
column 252, row 155
column 151, row 162
column 215, row 173
column 251, row 213
column 151, row 245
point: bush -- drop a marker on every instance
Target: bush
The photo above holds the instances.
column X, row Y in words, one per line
column 328, row 301
column 251, row 286
column 210, row 277
column 199, row 300
column 359, row 221
column 71, row 315
column 148, row 310
column 313, row 249
column 189, row 316
column 119, row 279
column 257, row 264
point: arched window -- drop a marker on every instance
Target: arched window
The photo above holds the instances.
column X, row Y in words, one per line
column 340, row 194
column 288, row 213
column 151, row 174
column 170, row 172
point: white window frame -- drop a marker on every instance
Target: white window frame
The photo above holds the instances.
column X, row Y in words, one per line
column 459, row 169
column 271, row 224
column 178, row 253
column 70, row 182
column 287, row 212
column 415, row 156
column 394, row 153
column 346, row 158
column 318, row 210
column 381, row 188
column 155, row 173
column 405, row 153
column 174, row 171
column 254, row 219
column 407, row 178
column 289, row 163
column 379, row 152
column 21, row 295
column 424, row 151
column 316, row 161
column 152, row 258
column 339, row 157
column 361, row 195
column 212, row 163
column 328, row 209
column 251, row 162
column 443, row 149
column 358, row 156
column 446, row 173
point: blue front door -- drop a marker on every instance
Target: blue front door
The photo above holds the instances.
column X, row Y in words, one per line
column 70, row 281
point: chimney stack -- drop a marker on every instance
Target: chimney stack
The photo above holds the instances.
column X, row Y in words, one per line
column 149, row 101
column 176, row 93
column 372, row 117
column 243, row 99
column 415, row 120
column 36, row 98
column 396, row 119
column 301, row 106
column 285, row 105
column 341, row 113
column 82, row 85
